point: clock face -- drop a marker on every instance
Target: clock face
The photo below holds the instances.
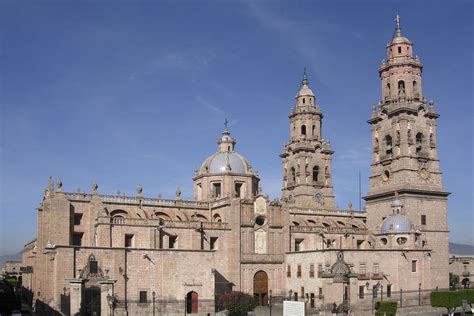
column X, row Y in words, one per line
column 424, row 173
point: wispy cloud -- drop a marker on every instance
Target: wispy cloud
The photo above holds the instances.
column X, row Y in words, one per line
column 208, row 105
column 176, row 61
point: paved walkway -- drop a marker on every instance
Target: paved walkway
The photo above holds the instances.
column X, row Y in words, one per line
column 277, row 310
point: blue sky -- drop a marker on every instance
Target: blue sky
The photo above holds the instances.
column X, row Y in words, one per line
column 132, row 92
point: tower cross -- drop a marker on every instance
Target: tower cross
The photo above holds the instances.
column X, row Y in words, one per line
column 225, row 123
column 398, row 21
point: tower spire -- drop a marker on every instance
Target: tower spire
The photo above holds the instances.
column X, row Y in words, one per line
column 304, row 82
column 398, row 30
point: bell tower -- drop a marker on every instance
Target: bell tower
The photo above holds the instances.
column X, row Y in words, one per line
column 405, row 154
column 307, row 158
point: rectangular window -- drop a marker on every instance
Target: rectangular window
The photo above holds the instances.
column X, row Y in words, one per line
column 320, row 293
column 374, row 291
column 296, row 296
column 362, row 269
column 128, row 240
column 216, row 190
column 361, row 291
column 302, row 291
column 142, row 297
column 172, row 241
column 312, row 300
column 389, row 290
column 93, row 266
column 311, row 270
column 423, row 219
column 298, row 271
column 77, row 219
column 238, row 189
column 320, row 269
column 413, row 266
column 298, row 244
column 288, row 271
column 375, row 269
column 213, row 243
column 77, row 239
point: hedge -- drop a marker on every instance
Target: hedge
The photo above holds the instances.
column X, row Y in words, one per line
column 388, row 308
column 451, row 299
column 237, row 303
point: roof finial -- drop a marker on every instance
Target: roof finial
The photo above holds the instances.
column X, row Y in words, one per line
column 305, row 78
column 399, row 29
column 226, row 122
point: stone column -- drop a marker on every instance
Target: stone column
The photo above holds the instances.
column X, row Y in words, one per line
column 403, row 137
column 106, row 290
column 76, row 287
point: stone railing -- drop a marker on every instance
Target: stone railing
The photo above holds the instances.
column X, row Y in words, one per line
column 303, row 210
column 328, row 230
column 78, row 196
column 423, row 154
column 218, row 203
column 155, row 222
column 398, row 60
column 262, row 258
column 135, row 200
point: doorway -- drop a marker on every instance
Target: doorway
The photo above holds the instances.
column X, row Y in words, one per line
column 260, row 287
column 91, row 301
column 192, row 302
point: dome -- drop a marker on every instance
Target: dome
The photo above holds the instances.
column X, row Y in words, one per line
column 305, row 91
column 396, row 224
column 220, row 161
column 226, row 159
column 400, row 40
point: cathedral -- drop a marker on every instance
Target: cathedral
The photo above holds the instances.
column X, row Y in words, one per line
column 97, row 254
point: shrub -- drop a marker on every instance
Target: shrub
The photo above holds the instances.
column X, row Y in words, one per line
column 451, row 299
column 388, row 308
column 237, row 303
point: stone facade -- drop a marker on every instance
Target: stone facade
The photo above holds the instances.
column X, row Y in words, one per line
column 136, row 254
column 463, row 267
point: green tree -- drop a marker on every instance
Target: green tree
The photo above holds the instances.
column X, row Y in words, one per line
column 453, row 281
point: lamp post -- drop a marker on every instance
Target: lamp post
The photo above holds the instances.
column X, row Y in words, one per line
column 154, row 298
column 270, row 302
column 290, row 292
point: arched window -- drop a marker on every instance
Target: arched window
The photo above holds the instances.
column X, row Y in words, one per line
column 315, row 173
column 388, row 88
column 293, row 175
column 303, row 130
column 388, row 145
column 419, row 142
column 415, row 87
column 314, row 131
column 304, row 100
column 401, row 86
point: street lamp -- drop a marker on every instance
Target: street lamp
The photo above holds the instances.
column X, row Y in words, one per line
column 154, row 298
column 270, row 302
